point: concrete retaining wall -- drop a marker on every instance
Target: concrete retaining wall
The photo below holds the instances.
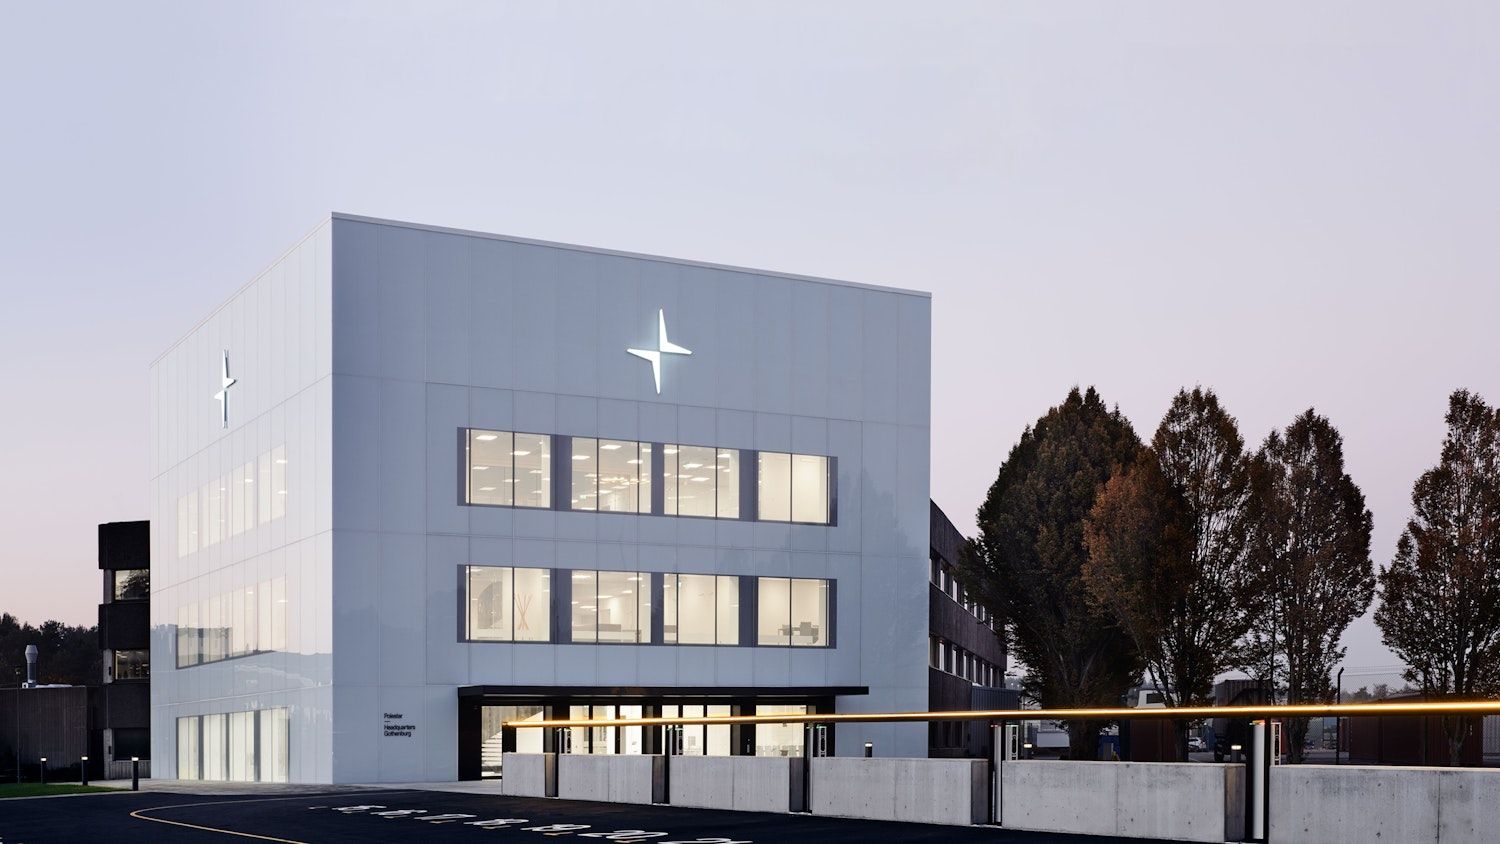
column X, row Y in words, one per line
column 612, row 779
column 744, row 783
column 1336, row 803
column 943, row 791
column 528, row 774
column 1186, row 801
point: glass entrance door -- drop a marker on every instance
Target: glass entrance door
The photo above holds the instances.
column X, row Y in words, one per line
column 492, row 718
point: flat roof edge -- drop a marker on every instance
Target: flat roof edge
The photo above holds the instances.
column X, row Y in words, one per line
column 619, row 253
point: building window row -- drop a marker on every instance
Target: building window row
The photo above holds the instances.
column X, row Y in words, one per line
column 254, row 493
column 512, row 469
column 952, row 659
column 943, row 578
column 253, row 746
column 512, row 604
column 246, row 621
column 603, row 738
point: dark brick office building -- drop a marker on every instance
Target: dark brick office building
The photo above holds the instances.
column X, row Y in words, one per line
column 966, row 657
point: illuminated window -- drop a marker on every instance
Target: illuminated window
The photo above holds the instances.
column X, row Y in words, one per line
column 794, row 488
column 792, row 612
column 701, row 609
column 508, row 469
column 611, row 475
column 509, row 604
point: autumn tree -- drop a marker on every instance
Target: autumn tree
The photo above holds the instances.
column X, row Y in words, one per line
column 1026, row 564
column 1167, row 551
column 1309, row 542
column 1440, row 596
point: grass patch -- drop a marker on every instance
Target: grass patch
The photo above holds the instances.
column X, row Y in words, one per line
column 36, row 789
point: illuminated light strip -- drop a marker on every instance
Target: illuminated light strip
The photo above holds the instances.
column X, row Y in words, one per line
column 1311, row 710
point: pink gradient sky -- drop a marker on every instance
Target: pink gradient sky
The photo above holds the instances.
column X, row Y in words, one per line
column 1295, row 204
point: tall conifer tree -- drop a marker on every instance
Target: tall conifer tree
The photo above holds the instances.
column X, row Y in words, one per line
column 1027, row 563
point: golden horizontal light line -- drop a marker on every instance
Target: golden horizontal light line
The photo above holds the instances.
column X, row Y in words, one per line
column 1312, row 710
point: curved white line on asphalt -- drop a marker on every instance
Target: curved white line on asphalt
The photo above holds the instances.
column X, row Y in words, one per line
column 138, row 816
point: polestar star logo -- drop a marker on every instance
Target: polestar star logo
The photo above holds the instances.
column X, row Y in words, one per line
column 663, row 347
column 225, row 382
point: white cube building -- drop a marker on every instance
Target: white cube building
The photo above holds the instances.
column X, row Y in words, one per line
column 410, row 483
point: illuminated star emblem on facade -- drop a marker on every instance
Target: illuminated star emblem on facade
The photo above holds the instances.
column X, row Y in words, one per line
column 225, row 382
column 663, row 347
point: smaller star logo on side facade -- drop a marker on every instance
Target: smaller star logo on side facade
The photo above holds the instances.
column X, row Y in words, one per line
column 225, row 382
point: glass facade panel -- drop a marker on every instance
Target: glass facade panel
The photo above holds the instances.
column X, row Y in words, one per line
column 490, row 604
column 187, row 524
column 215, row 748
column 632, row 739
column 619, row 477
column 532, row 608
column 696, row 481
column 728, row 465
column 809, row 623
column 245, row 621
column 532, row 456
column 213, row 512
column 491, row 468
column 619, row 607
column 279, row 488
column 585, row 490
column 669, row 479
column 669, row 609
column 238, row 746
column 263, row 489
column 253, row 493
column 779, row 739
column 278, row 614
column 717, row 742
column 643, row 471
column 132, row 584
column 696, row 609
column 242, row 746
column 729, row 610
column 187, row 635
column 773, row 607
column 810, row 489
column 774, row 487
column 275, row 745
column 242, row 499
column 188, row 730
column 585, row 609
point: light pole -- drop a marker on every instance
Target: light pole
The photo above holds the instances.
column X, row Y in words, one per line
column 18, row 726
column 1338, row 725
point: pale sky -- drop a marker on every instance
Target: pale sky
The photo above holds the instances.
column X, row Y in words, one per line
column 1295, row 204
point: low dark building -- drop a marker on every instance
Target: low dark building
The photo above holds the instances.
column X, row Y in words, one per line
column 1408, row 739
column 966, row 657
column 107, row 721
column 124, row 699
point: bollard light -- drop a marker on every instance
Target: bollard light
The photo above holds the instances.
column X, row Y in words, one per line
column 135, row 773
column 869, row 749
column 83, row 770
column 44, row 770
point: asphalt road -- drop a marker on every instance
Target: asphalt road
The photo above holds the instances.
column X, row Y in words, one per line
column 375, row 816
